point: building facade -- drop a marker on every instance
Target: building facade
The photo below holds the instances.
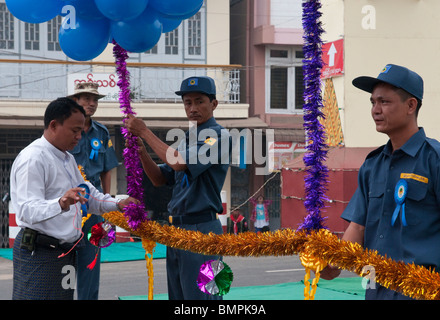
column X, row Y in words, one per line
column 34, row 71
column 266, row 38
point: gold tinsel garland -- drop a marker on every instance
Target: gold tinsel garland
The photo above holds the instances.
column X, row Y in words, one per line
column 411, row 280
column 149, row 246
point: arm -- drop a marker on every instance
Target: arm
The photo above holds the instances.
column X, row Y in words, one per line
column 151, row 169
column 167, row 154
column 354, row 233
column 106, row 179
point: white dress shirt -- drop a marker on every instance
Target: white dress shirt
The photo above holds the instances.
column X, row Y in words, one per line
column 40, row 175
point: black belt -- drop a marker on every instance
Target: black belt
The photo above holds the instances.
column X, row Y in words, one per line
column 193, row 218
column 37, row 239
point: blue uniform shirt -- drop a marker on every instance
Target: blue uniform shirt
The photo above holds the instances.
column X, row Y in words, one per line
column 105, row 157
column 206, row 155
column 373, row 204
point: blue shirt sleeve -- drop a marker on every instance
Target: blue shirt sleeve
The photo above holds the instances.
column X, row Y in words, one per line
column 356, row 210
column 110, row 159
column 168, row 173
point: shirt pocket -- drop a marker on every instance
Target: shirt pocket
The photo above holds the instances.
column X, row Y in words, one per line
column 375, row 202
column 413, row 203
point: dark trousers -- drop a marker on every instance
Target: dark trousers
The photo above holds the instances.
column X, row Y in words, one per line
column 42, row 275
column 88, row 280
column 183, row 267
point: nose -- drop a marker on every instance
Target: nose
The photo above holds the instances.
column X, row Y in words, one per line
column 375, row 108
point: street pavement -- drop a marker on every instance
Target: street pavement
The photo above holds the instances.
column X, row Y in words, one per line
column 129, row 278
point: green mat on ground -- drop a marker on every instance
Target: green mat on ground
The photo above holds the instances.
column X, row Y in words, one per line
column 337, row 289
column 117, row 252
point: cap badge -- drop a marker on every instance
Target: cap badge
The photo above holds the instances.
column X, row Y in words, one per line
column 193, row 82
column 386, row 69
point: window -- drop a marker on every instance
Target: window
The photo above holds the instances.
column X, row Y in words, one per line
column 172, row 42
column 152, row 50
column 52, row 34
column 195, row 35
column 31, row 36
column 185, row 44
column 6, row 28
column 284, row 80
column 278, row 88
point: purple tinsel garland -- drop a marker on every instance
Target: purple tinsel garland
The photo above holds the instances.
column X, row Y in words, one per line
column 135, row 213
column 317, row 172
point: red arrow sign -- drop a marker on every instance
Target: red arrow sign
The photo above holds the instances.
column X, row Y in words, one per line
column 333, row 58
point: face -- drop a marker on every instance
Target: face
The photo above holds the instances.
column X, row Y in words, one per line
column 198, row 107
column 390, row 114
column 67, row 135
column 89, row 102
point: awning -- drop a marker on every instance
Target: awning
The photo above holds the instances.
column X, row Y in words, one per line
column 251, row 123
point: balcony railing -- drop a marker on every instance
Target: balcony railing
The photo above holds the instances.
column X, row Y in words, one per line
column 151, row 83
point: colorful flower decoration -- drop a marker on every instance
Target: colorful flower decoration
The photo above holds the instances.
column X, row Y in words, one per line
column 215, row 278
column 101, row 235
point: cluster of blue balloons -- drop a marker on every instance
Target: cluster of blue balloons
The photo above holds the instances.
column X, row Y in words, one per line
column 89, row 25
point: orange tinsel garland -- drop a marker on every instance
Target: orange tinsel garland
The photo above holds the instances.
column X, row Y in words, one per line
column 411, row 280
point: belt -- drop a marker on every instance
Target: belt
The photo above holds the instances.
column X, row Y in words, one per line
column 52, row 243
column 193, row 218
column 32, row 239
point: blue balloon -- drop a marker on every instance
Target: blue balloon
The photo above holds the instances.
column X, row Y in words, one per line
column 177, row 8
column 182, row 16
column 118, row 10
column 169, row 24
column 137, row 35
column 86, row 40
column 85, row 9
column 33, row 11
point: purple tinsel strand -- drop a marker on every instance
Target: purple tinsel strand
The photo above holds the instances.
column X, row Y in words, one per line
column 317, row 173
column 135, row 213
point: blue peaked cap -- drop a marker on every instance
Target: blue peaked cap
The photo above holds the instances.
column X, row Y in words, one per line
column 398, row 76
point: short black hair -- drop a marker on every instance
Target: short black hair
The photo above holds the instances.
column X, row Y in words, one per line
column 60, row 110
column 405, row 95
column 211, row 97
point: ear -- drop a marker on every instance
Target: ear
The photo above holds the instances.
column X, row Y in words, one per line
column 412, row 105
column 53, row 125
column 214, row 104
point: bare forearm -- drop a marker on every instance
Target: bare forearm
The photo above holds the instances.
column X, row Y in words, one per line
column 106, row 179
column 354, row 233
column 167, row 154
column 151, row 169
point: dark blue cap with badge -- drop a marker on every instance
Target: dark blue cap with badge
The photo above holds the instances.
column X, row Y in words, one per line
column 204, row 85
column 398, row 76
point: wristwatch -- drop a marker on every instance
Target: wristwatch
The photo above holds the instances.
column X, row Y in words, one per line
column 117, row 204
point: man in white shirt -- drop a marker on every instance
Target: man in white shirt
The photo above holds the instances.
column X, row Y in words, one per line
column 47, row 198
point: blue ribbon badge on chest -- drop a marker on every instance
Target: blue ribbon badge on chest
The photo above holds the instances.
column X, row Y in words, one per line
column 96, row 145
column 86, row 195
column 399, row 196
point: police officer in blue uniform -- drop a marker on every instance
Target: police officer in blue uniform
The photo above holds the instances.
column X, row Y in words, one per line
column 197, row 171
column 396, row 207
column 96, row 155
